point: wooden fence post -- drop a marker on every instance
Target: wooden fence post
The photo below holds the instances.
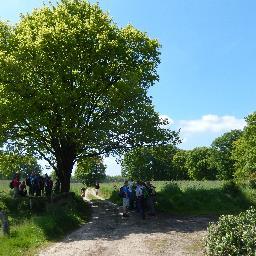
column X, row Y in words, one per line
column 5, row 224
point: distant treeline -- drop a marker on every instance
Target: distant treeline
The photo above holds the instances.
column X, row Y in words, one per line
column 232, row 155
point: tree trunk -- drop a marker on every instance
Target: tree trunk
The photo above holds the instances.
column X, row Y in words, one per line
column 65, row 154
column 65, row 160
column 65, row 183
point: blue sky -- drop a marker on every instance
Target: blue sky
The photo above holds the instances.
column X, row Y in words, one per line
column 207, row 72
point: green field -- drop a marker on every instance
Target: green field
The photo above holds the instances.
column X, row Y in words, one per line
column 194, row 197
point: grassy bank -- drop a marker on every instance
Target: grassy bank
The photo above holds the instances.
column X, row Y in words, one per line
column 45, row 223
column 194, row 197
column 4, row 186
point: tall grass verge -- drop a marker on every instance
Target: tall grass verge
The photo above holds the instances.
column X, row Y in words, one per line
column 194, row 197
column 32, row 229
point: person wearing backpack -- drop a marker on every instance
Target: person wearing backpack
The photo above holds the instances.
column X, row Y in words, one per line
column 28, row 183
column 97, row 187
column 48, row 184
column 22, row 189
column 151, row 198
column 15, row 184
column 131, row 194
column 124, row 193
column 140, row 199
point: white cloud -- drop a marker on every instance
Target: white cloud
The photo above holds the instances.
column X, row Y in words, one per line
column 211, row 123
column 202, row 131
column 167, row 118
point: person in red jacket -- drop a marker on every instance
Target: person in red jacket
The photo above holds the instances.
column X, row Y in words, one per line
column 16, row 184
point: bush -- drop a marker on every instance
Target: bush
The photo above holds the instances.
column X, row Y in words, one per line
column 252, row 181
column 233, row 235
column 230, row 187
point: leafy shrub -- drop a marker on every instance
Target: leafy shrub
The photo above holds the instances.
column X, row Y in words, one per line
column 252, row 181
column 230, row 187
column 233, row 235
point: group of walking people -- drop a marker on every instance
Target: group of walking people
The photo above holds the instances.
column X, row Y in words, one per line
column 37, row 184
column 140, row 196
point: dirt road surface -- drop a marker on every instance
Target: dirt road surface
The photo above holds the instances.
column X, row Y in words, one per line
column 110, row 234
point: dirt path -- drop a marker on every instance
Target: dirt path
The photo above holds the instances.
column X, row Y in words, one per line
column 109, row 234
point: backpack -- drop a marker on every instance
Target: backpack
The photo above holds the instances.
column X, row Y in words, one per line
column 145, row 192
column 48, row 184
column 11, row 185
column 121, row 192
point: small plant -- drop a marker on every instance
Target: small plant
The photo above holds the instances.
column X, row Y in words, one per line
column 233, row 235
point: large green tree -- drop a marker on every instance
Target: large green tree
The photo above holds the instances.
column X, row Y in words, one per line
column 244, row 152
column 199, row 164
column 179, row 164
column 74, row 85
column 147, row 163
column 222, row 154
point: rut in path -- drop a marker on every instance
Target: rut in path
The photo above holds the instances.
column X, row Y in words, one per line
column 109, row 234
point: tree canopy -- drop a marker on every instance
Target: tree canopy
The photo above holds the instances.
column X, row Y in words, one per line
column 199, row 164
column 244, row 152
column 11, row 163
column 222, row 154
column 154, row 163
column 74, row 85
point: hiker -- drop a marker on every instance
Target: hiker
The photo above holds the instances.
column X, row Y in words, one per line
column 150, row 200
column 48, row 185
column 41, row 185
column 124, row 190
column 36, row 184
column 32, row 184
column 28, row 183
column 82, row 192
column 97, row 187
column 15, row 184
column 140, row 188
column 22, row 189
column 131, row 194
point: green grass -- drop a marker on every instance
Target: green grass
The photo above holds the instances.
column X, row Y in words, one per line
column 31, row 230
column 4, row 186
column 193, row 197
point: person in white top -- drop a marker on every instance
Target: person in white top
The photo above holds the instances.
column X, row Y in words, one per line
column 125, row 191
column 140, row 199
column 138, row 190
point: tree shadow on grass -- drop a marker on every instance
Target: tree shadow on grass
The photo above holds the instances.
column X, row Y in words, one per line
column 62, row 217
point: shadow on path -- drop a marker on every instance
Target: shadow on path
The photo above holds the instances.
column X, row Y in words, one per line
column 107, row 223
column 109, row 234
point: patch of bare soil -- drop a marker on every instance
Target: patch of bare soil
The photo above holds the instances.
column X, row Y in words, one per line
column 109, row 234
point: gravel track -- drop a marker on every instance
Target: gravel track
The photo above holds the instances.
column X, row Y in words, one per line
column 109, row 234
